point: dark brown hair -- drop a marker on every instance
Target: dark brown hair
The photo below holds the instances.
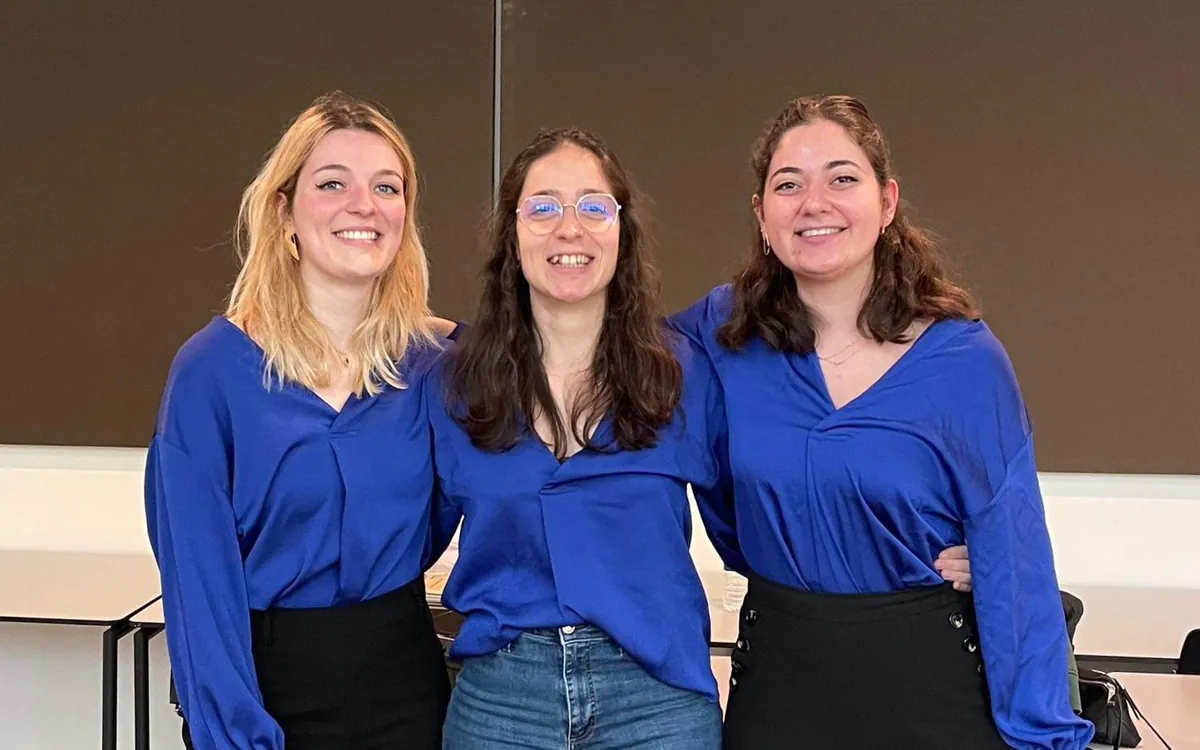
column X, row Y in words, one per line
column 910, row 280
column 497, row 383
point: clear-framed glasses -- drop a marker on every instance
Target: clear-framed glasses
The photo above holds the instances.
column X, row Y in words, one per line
column 595, row 212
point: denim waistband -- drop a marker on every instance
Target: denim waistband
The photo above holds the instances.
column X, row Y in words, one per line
column 568, row 634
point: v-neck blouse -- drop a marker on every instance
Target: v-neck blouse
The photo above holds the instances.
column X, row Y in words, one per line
column 601, row 538
column 938, row 452
column 261, row 497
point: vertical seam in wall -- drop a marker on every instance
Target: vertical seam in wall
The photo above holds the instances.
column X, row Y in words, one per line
column 497, row 36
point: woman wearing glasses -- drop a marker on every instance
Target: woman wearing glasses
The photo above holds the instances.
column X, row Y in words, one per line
column 560, row 440
column 568, row 424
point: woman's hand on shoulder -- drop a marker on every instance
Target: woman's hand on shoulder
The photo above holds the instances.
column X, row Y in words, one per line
column 441, row 326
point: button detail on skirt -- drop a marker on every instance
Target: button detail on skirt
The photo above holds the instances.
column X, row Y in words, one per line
column 957, row 620
column 743, row 644
column 751, row 617
column 568, row 629
column 970, row 645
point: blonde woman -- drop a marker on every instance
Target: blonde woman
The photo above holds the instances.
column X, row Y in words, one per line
column 289, row 481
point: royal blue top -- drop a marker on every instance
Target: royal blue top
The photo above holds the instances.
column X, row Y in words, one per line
column 600, row 538
column 862, row 499
column 259, row 498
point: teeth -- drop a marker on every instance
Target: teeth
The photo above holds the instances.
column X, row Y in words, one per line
column 820, row 232
column 354, row 234
column 570, row 260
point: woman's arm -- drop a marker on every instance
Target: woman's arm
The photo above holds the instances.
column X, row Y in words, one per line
column 193, row 533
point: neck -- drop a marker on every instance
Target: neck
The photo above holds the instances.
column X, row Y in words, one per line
column 836, row 303
column 338, row 307
column 569, row 332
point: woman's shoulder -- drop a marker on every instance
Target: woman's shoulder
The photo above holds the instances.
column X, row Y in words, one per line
column 208, row 353
column 709, row 312
column 198, row 388
column 974, row 374
column 972, row 347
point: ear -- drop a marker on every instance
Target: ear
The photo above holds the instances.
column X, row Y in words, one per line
column 757, row 204
column 285, row 214
column 891, row 200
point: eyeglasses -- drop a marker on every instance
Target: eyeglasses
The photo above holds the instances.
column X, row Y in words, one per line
column 595, row 212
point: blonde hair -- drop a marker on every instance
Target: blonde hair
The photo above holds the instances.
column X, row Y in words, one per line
column 268, row 301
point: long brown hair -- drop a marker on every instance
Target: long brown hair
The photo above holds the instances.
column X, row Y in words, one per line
column 910, row 280
column 268, row 300
column 497, row 384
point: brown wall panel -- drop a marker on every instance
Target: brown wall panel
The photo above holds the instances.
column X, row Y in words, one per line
column 1051, row 144
column 129, row 131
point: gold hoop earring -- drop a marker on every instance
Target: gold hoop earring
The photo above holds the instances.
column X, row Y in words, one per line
column 294, row 250
column 766, row 246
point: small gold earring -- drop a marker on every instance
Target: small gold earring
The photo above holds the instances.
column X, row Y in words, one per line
column 295, row 248
column 766, row 245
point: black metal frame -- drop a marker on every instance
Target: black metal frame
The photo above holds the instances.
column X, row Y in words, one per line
column 114, row 631
column 1147, row 664
column 110, row 667
column 141, row 684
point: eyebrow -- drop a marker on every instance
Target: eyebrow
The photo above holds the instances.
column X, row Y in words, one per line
column 344, row 168
column 581, row 193
column 831, row 165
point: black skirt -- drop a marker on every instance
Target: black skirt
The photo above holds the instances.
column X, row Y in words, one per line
column 370, row 675
column 898, row 671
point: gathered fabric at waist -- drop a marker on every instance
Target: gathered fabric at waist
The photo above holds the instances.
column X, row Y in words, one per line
column 848, row 608
column 396, row 607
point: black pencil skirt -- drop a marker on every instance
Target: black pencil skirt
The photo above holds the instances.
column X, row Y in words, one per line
column 368, row 676
column 898, row 671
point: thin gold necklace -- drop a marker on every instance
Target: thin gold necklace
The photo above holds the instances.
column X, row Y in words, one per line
column 833, row 358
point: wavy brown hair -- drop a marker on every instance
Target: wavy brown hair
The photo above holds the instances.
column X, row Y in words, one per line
column 910, row 279
column 497, row 383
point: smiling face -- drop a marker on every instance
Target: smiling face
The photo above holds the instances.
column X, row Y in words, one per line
column 822, row 208
column 348, row 210
column 575, row 261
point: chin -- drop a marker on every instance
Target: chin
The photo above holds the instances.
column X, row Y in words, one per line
column 571, row 296
column 364, row 271
column 570, row 299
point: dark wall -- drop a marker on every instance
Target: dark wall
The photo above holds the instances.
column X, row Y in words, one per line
column 135, row 130
column 1051, row 145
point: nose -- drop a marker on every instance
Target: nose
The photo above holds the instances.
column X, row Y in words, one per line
column 568, row 226
column 360, row 201
column 816, row 201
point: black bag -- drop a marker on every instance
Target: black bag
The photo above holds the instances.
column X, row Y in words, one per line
column 1107, row 705
column 1189, row 656
column 1104, row 701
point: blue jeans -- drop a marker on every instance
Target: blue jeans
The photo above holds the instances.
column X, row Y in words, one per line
column 573, row 689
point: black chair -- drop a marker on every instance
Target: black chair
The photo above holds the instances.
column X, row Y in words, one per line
column 1073, row 610
column 1189, row 657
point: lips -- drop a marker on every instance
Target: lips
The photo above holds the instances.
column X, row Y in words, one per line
column 570, row 260
column 819, row 231
column 357, row 235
